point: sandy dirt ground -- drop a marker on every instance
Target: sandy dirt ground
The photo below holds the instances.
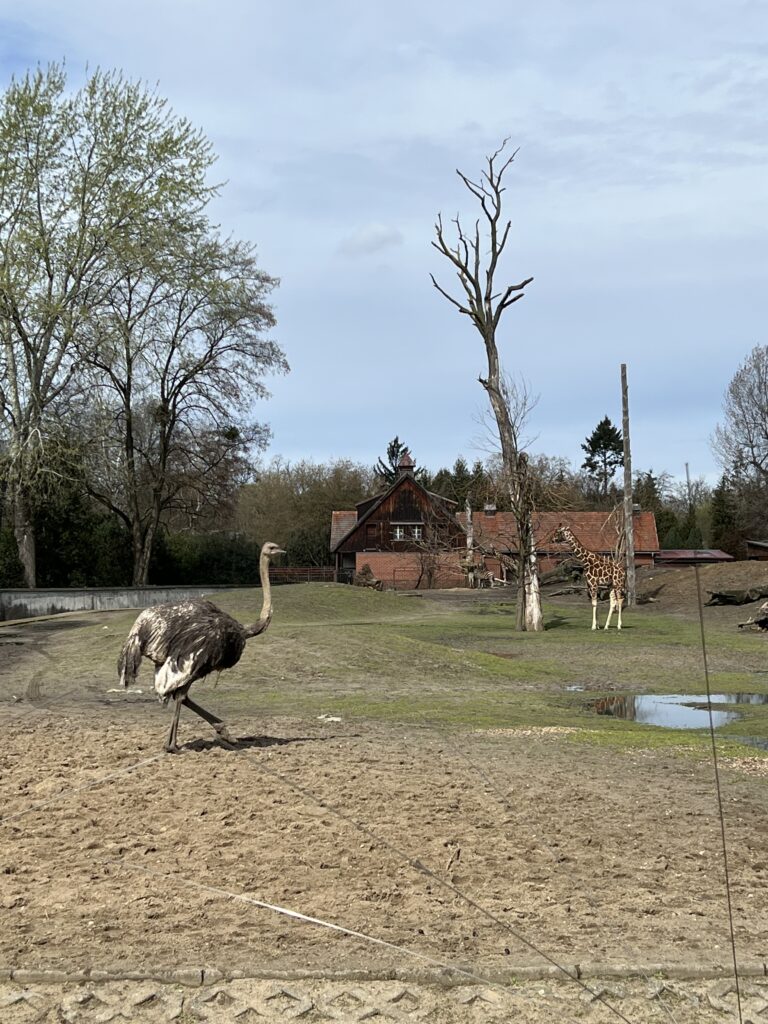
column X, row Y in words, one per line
column 486, row 852
column 475, row 850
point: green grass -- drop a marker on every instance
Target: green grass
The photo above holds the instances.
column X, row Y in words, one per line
column 365, row 655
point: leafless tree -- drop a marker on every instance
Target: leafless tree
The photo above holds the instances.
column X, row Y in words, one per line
column 440, row 546
column 740, row 442
column 475, row 256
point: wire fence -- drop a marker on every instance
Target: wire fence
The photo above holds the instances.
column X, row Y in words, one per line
column 411, row 860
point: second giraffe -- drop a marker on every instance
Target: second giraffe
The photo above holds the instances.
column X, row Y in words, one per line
column 598, row 571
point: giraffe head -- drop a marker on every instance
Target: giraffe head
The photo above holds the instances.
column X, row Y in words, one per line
column 562, row 534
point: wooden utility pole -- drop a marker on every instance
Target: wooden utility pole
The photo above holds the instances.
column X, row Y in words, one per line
column 629, row 536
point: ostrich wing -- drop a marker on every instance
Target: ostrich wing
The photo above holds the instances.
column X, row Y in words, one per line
column 188, row 641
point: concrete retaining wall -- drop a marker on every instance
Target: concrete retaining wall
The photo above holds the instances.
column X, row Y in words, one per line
column 23, row 604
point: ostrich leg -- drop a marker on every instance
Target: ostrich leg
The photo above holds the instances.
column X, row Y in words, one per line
column 170, row 743
column 218, row 725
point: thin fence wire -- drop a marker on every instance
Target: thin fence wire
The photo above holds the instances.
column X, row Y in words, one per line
column 414, row 862
column 718, row 788
column 424, row 869
column 297, row 915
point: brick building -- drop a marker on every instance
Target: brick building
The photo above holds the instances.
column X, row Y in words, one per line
column 412, row 538
column 496, row 531
column 408, row 536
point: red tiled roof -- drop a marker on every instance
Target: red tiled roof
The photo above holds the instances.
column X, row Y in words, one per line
column 341, row 524
column 595, row 530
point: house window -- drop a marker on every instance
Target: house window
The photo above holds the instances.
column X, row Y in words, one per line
column 398, row 533
column 417, row 532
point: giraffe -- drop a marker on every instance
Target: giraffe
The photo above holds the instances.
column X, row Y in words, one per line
column 597, row 570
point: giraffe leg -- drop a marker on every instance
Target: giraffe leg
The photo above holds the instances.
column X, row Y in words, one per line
column 612, row 604
column 170, row 743
column 619, row 602
column 594, row 610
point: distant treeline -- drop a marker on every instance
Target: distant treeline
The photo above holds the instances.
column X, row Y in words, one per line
column 79, row 544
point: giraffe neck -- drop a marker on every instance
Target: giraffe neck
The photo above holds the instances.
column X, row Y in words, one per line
column 577, row 547
column 596, row 565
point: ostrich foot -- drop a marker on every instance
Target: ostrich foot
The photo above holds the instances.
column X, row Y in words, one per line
column 172, row 748
column 225, row 738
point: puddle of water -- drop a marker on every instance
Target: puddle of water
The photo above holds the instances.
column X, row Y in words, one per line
column 675, row 711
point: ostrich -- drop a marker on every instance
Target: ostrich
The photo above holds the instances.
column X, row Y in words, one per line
column 188, row 641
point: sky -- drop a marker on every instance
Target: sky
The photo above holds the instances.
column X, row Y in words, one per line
column 638, row 200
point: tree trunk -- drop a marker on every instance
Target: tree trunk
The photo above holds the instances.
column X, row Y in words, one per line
column 24, row 532
column 628, row 510
column 534, row 621
column 143, row 541
column 520, row 608
column 470, row 544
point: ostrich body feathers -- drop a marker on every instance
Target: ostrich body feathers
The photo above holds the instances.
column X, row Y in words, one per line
column 186, row 642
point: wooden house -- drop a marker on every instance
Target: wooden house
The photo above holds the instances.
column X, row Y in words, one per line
column 407, row 535
column 691, row 556
column 411, row 537
column 757, row 549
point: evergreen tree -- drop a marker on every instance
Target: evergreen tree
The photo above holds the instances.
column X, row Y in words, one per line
column 672, row 539
column 650, row 492
column 480, row 490
column 386, row 471
column 462, row 481
column 442, row 483
column 11, row 569
column 725, row 533
column 605, row 453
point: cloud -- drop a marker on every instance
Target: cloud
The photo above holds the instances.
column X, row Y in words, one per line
column 637, row 199
column 369, row 239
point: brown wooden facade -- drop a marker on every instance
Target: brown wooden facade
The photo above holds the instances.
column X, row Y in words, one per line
column 405, row 519
column 409, row 536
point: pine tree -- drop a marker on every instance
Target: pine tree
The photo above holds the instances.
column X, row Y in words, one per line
column 442, row 483
column 387, row 471
column 725, row 533
column 672, row 539
column 462, row 481
column 605, row 453
column 479, row 485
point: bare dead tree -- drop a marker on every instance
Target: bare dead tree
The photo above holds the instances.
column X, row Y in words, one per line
column 475, row 255
column 440, row 546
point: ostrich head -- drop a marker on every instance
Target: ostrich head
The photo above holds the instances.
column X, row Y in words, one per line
column 270, row 550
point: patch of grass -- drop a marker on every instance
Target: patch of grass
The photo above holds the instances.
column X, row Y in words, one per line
column 360, row 654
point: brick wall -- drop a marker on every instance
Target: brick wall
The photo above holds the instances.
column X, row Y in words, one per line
column 401, row 570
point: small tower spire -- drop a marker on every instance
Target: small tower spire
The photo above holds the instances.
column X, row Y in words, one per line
column 406, row 463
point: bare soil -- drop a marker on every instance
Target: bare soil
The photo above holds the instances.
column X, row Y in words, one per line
column 674, row 588
column 488, row 850
column 537, row 843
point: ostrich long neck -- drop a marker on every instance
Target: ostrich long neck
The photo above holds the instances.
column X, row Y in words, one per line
column 266, row 607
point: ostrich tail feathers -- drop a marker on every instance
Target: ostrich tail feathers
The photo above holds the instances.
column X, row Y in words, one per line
column 130, row 660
